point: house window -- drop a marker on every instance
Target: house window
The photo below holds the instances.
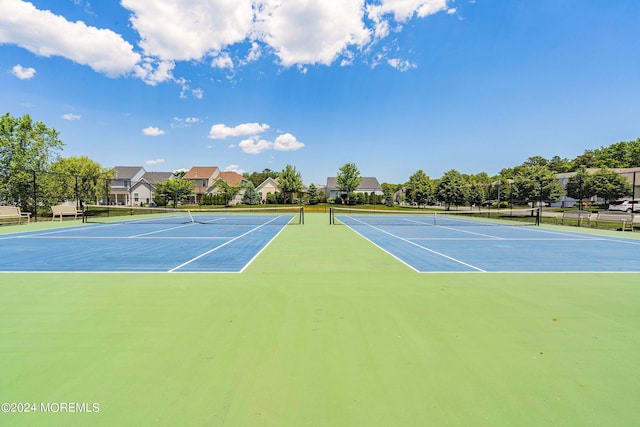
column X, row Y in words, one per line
column 204, row 182
column 136, row 198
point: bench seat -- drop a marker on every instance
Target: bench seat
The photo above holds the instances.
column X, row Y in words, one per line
column 64, row 210
column 13, row 212
column 580, row 216
column 624, row 219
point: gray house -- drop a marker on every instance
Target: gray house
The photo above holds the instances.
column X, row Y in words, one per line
column 367, row 185
column 133, row 186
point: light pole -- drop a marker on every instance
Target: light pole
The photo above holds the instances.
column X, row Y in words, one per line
column 510, row 181
column 540, row 204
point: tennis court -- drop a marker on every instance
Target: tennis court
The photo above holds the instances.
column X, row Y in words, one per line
column 322, row 328
column 500, row 242
column 163, row 241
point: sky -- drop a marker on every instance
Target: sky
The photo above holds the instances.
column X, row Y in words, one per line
column 394, row 86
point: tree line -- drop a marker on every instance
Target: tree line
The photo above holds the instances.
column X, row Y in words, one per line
column 29, row 148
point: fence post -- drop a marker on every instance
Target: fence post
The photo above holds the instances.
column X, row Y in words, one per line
column 35, row 197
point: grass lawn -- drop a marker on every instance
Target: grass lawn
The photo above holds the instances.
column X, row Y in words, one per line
column 323, row 329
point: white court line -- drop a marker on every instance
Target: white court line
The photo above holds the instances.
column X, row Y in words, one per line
column 260, row 251
column 127, row 237
column 30, row 234
column 587, row 237
column 222, row 245
column 414, row 244
column 505, row 239
column 160, row 231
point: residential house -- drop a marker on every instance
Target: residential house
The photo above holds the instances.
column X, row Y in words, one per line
column 142, row 190
column 204, row 179
column 134, row 186
column 367, row 185
column 123, row 179
column 268, row 186
column 233, row 179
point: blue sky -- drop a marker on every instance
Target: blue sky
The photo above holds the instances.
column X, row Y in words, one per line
column 391, row 85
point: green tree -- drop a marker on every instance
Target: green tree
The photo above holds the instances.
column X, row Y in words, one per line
column 313, row 194
column 537, row 183
column 25, row 146
column 176, row 189
column 609, row 185
column 586, row 159
column 418, row 189
column 225, row 191
column 451, row 189
column 348, row 179
column 258, row 178
column 79, row 179
column 476, row 192
column 250, row 196
column 290, row 181
column 578, row 186
column 389, row 196
column 535, row 161
column 560, row 165
column 624, row 154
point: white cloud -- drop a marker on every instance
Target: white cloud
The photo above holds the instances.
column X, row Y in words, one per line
column 401, row 65
column 184, row 123
column 284, row 142
column 221, row 131
column 152, row 131
column 197, row 93
column 71, row 116
column 287, row 142
column 152, row 72
column 234, row 168
column 255, row 145
column 154, row 162
column 223, row 60
column 23, row 73
column 227, row 33
column 185, row 30
column 299, row 33
column 312, row 32
column 47, row 34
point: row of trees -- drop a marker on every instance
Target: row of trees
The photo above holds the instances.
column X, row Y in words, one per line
column 529, row 184
column 32, row 173
column 28, row 148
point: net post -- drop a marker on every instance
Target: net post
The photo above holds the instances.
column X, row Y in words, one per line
column 331, row 216
column 539, row 215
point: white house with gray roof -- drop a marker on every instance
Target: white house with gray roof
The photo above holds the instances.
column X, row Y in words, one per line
column 134, row 186
column 368, row 184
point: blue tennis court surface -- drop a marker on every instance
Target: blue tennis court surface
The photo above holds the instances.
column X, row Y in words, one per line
column 141, row 247
column 485, row 247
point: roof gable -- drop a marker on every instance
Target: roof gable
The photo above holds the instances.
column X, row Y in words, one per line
column 234, row 179
column 202, row 172
column 366, row 183
column 154, row 177
column 128, row 172
column 268, row 182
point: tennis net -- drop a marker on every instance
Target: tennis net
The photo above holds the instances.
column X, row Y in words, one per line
column 505, row 217
column 221, row 216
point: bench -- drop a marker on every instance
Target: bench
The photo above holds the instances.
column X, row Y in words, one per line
column 579, row 216
column 624, row 219
column 13, row 212
column 64, row 210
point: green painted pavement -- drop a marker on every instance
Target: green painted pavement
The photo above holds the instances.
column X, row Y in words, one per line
column 323, row 329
